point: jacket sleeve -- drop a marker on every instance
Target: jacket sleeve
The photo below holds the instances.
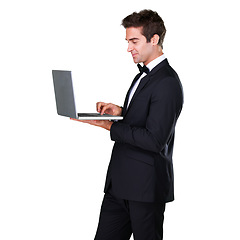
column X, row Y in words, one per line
column 165, row 107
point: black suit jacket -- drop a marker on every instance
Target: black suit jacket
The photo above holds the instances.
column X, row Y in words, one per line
column 141, row 163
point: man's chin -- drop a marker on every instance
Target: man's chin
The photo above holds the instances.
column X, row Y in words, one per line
column 136, row 61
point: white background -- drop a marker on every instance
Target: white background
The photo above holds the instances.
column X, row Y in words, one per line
column 52, row 170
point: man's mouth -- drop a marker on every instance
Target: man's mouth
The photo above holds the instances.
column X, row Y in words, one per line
column 134, row 55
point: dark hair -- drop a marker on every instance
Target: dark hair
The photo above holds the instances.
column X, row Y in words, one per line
column 150, row 22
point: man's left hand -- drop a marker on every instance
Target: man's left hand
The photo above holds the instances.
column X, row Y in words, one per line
column 106, row 124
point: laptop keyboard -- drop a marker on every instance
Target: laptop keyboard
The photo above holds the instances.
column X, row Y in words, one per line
column 92, row 115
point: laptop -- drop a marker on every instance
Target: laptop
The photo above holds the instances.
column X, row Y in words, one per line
column 65, row 101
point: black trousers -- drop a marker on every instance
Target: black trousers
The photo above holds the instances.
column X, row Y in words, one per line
column 119, row 219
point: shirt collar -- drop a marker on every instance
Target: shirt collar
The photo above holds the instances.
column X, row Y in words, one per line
column 155, row 62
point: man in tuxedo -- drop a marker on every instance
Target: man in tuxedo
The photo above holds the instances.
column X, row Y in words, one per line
column 140, row 175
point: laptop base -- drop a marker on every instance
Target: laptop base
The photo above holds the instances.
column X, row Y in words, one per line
column 97, row 116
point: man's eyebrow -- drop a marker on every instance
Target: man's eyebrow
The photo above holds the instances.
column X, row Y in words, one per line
column 132, row 39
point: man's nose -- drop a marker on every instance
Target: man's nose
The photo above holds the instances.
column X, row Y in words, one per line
column 130, row 48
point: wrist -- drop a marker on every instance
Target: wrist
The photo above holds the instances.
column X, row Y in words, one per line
column 108, row 125
column 120, row 111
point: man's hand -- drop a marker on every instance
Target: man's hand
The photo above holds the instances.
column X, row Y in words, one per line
column 109, row 108
column 99, row 123
column 102, row 108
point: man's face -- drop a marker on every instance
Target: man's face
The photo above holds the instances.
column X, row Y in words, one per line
column 137, row 45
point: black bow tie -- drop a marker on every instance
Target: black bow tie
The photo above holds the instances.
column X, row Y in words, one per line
column 143, row 69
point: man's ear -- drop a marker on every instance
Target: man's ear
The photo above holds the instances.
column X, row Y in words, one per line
column 155, row 39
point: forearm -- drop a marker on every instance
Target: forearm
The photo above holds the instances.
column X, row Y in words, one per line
column 107, row 125
column 138, row 137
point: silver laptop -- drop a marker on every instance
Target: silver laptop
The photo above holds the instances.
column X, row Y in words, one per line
column 65, row 101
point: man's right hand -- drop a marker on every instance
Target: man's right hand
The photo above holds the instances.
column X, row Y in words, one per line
column 109, row 108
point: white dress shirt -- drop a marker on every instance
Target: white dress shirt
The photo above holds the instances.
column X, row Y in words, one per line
column 150, row 66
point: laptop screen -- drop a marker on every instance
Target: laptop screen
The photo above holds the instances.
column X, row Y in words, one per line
column 64, row 94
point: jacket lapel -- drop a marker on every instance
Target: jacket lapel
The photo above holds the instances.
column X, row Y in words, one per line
column 141, row 85
column 128, row 93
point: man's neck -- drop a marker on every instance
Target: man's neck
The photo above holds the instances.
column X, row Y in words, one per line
column 153, row 57
column 156, row 61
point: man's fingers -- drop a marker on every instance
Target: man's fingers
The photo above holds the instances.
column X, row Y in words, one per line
column 100, row 105
column 106, row 108
column 103, row 109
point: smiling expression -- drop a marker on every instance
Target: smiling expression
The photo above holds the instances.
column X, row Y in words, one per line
column 141, row 50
